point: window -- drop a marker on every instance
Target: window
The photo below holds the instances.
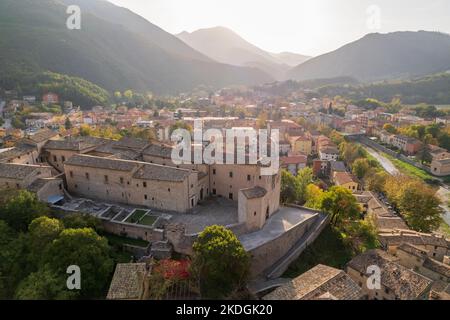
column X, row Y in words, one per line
column 145, row 196
column 192, row 186
column 121, row 180
column 17, row 186
column 71, row 174
column 55, row 159
column 63, row 158
column 249, row 177
column 76, row 186
column 106, row 179
column 231, row 174
column 230, row 196
column 87, row 175
column 168, row 189
column 214, row 171
column 144, row 184
column 214, row 192
column 60, row 186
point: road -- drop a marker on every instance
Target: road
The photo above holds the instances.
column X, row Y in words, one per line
column 443, row 193
column 385, row 162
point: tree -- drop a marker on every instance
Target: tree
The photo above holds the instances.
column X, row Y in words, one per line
column 289, row 187
column 41, row 232
column 44, row 285
column 68, row 124
column 80, row 221
column 86, row 249
column 375, row 180
column 20, row 209
column 220, row 263
column 360, row 167
column 340, row 204
column 424, row 153
column 390, row 128
column 314, row 196
column 304, row 178
column 416, row 202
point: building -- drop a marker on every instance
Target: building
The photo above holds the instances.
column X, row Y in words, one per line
column 294, row 163
column 130, row 282
column 329, row 153
column 346, row 180
column 302, row 145
column 440, row 167
column 417, row 259
column 319, row 283
column 50, row 98
column 407, row 144
column 35, row 178
column 396, row 281
column 436, row 246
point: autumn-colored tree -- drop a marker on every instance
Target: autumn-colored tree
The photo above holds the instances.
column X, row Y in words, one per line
column 360, row 167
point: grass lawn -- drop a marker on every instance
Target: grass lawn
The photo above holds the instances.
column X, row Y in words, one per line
column 148, row 220
column 136, row 216
column 409, row 169
column 328, row 249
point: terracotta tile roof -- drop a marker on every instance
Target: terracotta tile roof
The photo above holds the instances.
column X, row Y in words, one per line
column 102, row 163
column 18, row 171
column 128, row 282
column 404, row 283
column 319, row 283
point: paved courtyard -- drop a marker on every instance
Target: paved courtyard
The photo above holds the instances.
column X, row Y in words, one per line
column 280, row 222
column 218, row 211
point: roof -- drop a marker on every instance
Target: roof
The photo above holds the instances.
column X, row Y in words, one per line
column 254, row 193
column 161, row 173
column 131, row 143
column 18, row 171
column 319, row 283
column 405, row 284
column 338, row 166
column 127, row 282
column 42, row 135
column 396, row 237
column 101, row 163
column 294, row 159
column 76, row 143
column 329, row 150
column 344, row 178
column 437, row 266
column 16, row 152
column 158, row 151
column 413, row 250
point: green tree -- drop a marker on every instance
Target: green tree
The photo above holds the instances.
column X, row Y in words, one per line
column 220, row 263
column 86, row 249
column 289, row 187
column 80, row 221
column 390, row 128
column 20, row 209
column 360, row 167
column 41, row 232
column 44, row 284
column 304, row 178
column 340, row 204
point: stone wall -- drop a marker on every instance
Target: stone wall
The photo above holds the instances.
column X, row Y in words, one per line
column 268, row 254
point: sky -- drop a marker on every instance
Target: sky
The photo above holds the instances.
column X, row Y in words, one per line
column 310, row 27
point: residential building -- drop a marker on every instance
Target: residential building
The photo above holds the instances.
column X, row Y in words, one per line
column 396, row 281
column 319, row 283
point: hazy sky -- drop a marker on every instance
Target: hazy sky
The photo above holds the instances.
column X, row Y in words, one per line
column 309, row 27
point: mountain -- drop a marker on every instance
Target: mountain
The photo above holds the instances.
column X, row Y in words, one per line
column 115, row 49
column 226, row 46
column 381, row 56
column 430, row 89
column 291, row 59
